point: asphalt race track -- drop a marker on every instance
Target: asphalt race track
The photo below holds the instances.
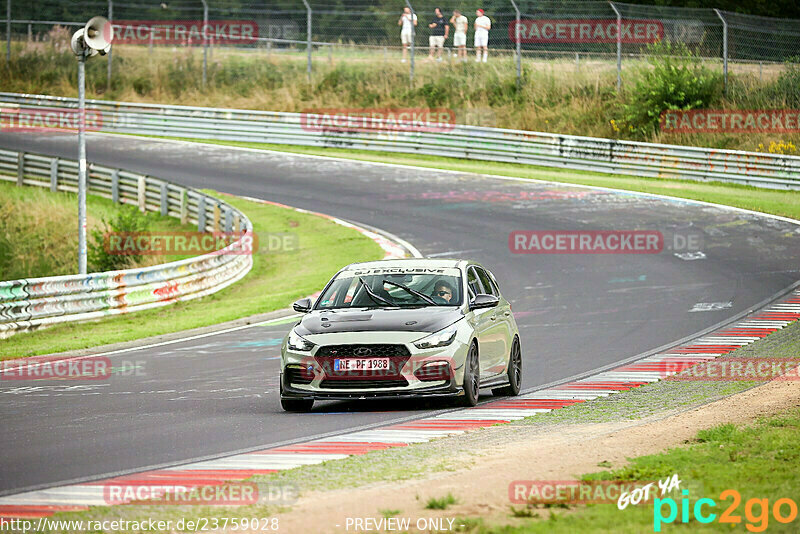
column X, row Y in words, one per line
column 218, row 394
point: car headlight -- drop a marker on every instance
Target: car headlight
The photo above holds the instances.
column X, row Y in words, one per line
column 441, row 338
column 297, row 342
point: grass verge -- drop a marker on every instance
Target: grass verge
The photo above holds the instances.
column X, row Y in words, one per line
column 277, row 279
column 758, row 462
column 38, row 231
column 776, row 202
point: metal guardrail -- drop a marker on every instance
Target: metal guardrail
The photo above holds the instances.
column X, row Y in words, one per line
column 468, row 142
column 33, row 303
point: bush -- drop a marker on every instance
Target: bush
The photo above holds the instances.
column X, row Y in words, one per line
column 674, row 80
column 128, row 220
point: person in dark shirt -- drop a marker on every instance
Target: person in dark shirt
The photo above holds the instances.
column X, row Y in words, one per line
column 439, row 31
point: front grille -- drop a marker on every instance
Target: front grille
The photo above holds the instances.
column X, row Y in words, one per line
column 297, row 376
column 376, row 350
column 398, row 355
column 363, row 384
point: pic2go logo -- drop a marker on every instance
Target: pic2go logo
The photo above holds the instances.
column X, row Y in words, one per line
column 756, row 511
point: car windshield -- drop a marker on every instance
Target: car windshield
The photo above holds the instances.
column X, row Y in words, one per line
column 353, row 289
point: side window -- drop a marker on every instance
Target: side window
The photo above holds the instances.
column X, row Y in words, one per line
column 486, row 281
column 473, row 283
column 494, row 282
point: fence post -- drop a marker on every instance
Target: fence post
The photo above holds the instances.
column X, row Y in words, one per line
column 205, row 42
column 308, row 38
column 184, row 207
column 413, row 39
column 54, row 175
column 115, row 186
column 519, row 47
column 21, row 169
column 110, row 51
column 164, row 199
column 724, row 51
column 619, row 45
column 8, row 32
column 142, row 193
column 201, row 214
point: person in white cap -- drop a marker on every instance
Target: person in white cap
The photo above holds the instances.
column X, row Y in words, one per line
column 482, row 27
column 406, row 31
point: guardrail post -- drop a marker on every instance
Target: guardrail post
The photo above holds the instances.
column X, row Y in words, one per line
column 184, row 207
column 142, row 194
column 216, row 217
column 724, row 51
column 21, row 169
column 228, row 220
column 237, row 223
column 115, row 186
column 54, row 175
column 201, row 214
column 164, row 199
column 619, row 45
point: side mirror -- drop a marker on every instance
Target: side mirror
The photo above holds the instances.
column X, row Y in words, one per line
column 483, row 301
column 302, row 305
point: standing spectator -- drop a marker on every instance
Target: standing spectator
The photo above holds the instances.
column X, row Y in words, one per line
column 460, row 24
column 406, row 30
column 482, row 27
column 439, row 31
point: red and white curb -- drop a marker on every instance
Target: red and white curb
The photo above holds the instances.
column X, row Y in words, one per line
column 74, row 497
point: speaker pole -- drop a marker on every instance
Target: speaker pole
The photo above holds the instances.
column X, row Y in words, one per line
column 82, row 163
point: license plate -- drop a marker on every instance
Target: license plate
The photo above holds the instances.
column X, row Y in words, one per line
column 361, row 364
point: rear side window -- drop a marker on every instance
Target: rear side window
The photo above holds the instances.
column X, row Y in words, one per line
column 486, row 282
column 473, row 283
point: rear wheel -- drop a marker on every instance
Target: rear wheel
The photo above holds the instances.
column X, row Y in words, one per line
column 514, row 373
column 472, row 377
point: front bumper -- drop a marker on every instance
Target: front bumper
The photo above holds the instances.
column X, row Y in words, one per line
column 405, row 381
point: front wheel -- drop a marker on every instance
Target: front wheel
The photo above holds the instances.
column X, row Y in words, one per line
column 514, row 373
column 472, row 377
column 295, row 405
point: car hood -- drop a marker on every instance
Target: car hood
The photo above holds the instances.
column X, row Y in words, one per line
column 430, row 319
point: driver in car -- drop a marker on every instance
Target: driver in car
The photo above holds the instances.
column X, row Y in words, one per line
column 443, row 290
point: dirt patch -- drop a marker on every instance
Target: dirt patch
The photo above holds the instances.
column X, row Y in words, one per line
column 553, row 453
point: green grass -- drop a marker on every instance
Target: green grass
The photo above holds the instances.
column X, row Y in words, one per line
column 440, row 503
column 776, row 202
column 554, row 96
column 38, row 231
column 276, row 280
column 758, row 461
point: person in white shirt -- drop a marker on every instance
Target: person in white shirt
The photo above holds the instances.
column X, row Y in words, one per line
column 460, row 23
column 406, row 31
column 482, row 27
